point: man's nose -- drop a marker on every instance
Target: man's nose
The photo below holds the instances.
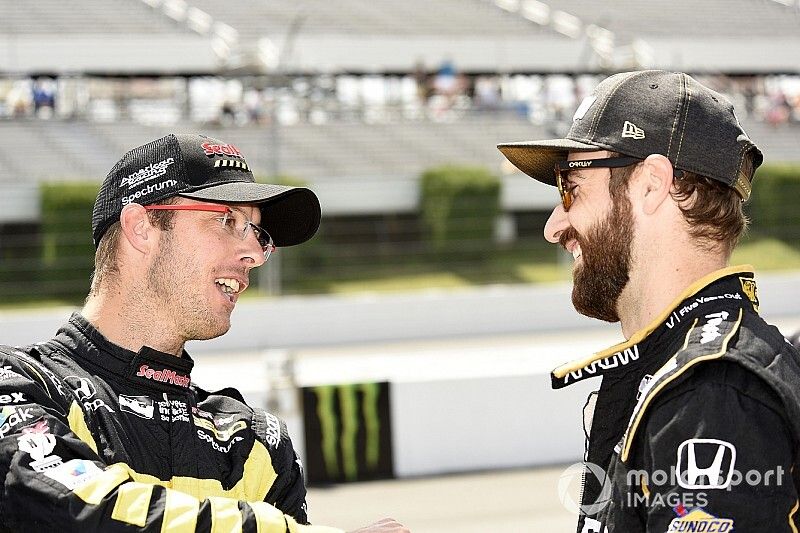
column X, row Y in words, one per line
column 252, row 251
column 556, row 224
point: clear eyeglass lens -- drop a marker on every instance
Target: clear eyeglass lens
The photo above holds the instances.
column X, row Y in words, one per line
column 232, row 225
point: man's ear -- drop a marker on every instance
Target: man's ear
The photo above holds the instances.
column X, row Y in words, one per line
column 136, row 227
column 655, row 182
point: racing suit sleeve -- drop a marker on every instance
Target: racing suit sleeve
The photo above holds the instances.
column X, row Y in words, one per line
column 288, row 492
column 54, row 479
column 717, row 455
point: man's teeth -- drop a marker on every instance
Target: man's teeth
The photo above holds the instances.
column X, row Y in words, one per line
column 230, row 286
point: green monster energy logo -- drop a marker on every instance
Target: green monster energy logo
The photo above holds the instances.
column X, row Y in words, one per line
column 342, row 434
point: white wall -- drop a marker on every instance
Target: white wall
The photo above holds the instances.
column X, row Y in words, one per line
column 303, row 321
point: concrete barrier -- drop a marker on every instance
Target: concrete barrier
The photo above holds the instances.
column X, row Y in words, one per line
column 305, row 321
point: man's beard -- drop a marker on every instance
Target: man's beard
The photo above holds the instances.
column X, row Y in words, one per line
column 606, row 258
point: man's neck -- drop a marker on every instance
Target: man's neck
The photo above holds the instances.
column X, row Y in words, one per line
column 657, row 282
column 129, row 323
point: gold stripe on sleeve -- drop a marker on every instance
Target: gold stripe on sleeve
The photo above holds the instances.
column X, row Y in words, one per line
column 94, row 490
column 133, row 502
column 225, row 515
column 268, row 518
column 256, row 480
column 77, row 423
column 180, row 513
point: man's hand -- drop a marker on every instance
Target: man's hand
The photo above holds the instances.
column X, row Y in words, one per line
column 387, row 525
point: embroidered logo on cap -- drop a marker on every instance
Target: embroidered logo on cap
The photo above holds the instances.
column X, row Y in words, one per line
column 230, row 163
column 583, row 108
column 632, row 131
column 212, row 149
column 150, row 172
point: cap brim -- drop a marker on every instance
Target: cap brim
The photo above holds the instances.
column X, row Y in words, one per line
column 537, row 159
column 291, row 215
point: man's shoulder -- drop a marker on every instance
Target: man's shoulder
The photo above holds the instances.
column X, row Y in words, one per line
column 269, row 429
column 720, row 375
column 16, row 355
column 742, row 352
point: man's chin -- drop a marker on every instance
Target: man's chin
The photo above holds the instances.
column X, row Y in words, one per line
column 212, row 330
column 584, row 303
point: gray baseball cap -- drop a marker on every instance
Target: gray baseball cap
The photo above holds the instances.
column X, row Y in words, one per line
column 650, row 112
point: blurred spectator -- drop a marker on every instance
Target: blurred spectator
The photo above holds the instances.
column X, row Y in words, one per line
column 20, row 98
column 487, row 93
column 44, row 97
column 444, row 94
column 422, row 81
column 445, row 81
column 252, row 105
column 779, row 111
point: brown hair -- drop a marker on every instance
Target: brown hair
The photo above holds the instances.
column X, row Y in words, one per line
column 106, row 261
column 712, row 209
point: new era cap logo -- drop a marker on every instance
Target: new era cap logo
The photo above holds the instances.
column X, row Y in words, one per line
column 705, row 464
column 632, row 131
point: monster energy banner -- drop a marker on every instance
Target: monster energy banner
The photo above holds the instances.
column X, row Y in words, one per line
column 348, row 432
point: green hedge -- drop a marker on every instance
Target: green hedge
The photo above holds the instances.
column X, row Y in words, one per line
column 67, row 252
column 774, row 207
column 458, row 207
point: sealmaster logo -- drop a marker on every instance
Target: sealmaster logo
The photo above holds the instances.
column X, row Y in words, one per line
column 164, row 376
column 150, row 172
column 212, row 149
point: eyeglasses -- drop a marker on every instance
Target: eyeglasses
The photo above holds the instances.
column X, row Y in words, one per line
column 229, row 222
column 565, row 167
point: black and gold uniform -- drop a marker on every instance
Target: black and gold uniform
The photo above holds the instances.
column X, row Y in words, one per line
column 94, row 437
column 696, row 423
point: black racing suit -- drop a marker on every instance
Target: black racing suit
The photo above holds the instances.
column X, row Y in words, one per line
column 94, row 437
column 696, row 423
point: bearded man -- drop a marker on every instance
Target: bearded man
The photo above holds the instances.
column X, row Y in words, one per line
column 696, row 422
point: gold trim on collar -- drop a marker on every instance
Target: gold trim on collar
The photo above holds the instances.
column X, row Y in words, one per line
column 640, row 335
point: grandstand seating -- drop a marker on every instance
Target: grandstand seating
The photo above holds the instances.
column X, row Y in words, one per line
column 57, row 17
column 254, row 18
column 681, row 19
column 82, row 150
column 53, row 150
column 363, row 35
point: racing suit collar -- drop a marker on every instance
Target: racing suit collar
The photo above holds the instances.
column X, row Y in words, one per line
column 735, row 282
column 147, row 368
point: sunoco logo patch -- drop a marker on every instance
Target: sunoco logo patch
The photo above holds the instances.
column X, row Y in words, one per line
column 698, row 520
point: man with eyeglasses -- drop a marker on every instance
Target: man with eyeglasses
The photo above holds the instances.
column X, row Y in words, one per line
column 102, row 428
column 696, row 421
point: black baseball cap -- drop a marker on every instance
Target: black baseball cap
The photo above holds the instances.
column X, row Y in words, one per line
column 651, row 112
column 202, row 168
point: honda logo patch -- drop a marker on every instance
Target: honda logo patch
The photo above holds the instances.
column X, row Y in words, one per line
column 705, row 464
